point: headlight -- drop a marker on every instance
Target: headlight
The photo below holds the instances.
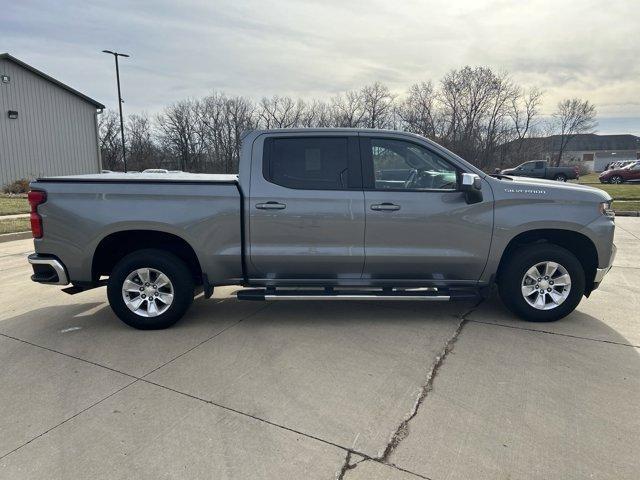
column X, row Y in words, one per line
column 605, row 209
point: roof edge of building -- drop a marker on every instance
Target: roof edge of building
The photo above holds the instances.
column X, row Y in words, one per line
column 64, row 86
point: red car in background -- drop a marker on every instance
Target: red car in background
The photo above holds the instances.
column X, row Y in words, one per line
column 630, row 173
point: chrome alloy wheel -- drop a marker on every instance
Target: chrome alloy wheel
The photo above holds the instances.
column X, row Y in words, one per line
column 147, row 292
column 546, row 285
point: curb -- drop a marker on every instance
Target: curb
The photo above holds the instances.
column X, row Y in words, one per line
column 9, row 237
column 626, row 213
column 15, row 215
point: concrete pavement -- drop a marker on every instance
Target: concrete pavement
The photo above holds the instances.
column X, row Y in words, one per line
column 320, row 390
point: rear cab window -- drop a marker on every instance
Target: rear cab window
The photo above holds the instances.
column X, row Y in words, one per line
column 310, row 163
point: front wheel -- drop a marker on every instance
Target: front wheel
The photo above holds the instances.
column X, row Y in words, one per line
column 542, row 282
column 150, row 289
column 616, row 179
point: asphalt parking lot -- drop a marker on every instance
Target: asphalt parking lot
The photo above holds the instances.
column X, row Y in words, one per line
column 319, row 390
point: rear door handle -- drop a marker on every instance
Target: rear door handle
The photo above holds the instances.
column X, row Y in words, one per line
column 385, row 207
column 271, row 206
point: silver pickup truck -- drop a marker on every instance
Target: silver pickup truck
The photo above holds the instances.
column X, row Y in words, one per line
column 323, row 214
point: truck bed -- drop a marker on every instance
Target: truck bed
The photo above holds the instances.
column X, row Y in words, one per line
column 83, row 211
column 117, row 177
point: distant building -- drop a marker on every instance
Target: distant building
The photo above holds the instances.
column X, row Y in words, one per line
column 46, row 127
column 594, row 151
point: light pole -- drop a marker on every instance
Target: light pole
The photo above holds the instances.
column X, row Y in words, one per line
column 116, row 55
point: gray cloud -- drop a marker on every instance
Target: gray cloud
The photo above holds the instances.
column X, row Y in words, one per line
column 318, row 48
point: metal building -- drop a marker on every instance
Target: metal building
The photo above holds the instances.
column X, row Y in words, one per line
column 46, row 127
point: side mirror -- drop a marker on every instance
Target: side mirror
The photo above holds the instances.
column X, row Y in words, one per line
column 471, row 185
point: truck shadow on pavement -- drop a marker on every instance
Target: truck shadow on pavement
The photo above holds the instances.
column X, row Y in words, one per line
column 92, row 327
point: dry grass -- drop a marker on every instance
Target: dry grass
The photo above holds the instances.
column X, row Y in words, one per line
column 10, row 205
column 14, row 225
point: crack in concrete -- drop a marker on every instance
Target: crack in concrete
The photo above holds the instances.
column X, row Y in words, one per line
column 347, row 465
column 402, row 431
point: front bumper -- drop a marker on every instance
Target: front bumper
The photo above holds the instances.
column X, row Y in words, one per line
column 601, row 272
column 48, row 270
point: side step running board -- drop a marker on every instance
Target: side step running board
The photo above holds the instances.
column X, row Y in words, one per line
column 431, row 295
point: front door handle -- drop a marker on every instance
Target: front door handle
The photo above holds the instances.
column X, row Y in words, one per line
column 271, row 206
column 385, row 207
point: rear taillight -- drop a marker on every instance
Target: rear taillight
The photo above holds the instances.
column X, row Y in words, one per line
column 36, row 197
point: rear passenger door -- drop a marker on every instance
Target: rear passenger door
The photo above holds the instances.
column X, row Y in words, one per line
column 306, row 207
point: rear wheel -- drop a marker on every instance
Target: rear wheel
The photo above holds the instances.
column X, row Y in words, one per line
column 150, row 289
column 542, row 282
column 616, row 179
column 561, row 177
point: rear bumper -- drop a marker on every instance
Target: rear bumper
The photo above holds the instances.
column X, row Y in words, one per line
column 48, row 270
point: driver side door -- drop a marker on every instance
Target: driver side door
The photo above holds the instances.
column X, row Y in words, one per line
column 420, row 228
column 538, row 170
column 526, row 169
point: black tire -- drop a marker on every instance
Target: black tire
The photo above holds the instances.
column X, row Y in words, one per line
column 165, row 262
column 561, row 177
column 616, row 179
column 520, row 261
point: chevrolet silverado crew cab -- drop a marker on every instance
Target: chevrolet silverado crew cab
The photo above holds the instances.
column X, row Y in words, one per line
column 323, row 214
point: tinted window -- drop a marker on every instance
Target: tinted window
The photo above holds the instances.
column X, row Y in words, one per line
column 404, row 165
column 539, row 165
column 308, row 163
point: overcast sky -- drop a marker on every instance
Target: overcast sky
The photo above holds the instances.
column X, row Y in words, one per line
column 314, row 49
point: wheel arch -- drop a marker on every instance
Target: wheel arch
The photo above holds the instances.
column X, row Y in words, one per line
column 114, row 246
column 577, row 243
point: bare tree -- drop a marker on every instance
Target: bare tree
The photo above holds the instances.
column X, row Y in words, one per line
column 474, row 102
column 573, row 116
column 348, row 109
column 524, row 110
column 318, row 114
column 223, row 120
column 419, row 112
column 239, row 119
column 524, row 123
column 495, row 127
column 141, row 149
column 110, row 147
column 377, row 104
column 280, row 112
column 482, row 115
column 181, row 133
